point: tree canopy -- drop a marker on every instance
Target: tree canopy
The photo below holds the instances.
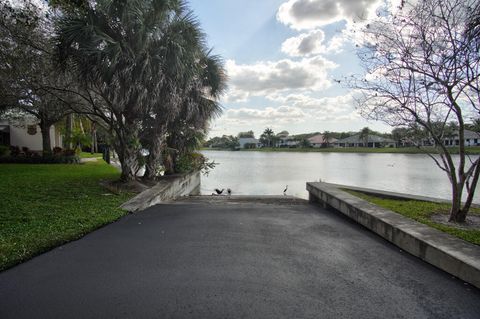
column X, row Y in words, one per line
column 145, row 69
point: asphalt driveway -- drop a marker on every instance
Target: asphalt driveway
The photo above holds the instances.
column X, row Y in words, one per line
column 232, row 259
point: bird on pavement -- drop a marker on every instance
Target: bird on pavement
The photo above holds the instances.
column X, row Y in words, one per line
column 219, row 192
column 229, row 191
column 285, row 190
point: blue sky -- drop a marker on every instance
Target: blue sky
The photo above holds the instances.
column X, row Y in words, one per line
column 282, row 58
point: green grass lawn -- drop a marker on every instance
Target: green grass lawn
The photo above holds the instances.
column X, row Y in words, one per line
column 43, row 206
column 90, row 155
column 421, row 212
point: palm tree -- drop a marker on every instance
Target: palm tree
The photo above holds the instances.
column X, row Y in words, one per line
column 268, row 134
column 181, row 46
column 199, row 106
column 190, row 94
column 115, row 47
column 327, row 136
column 364, row 134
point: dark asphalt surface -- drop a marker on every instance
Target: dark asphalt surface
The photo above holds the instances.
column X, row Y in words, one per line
column 232, row 260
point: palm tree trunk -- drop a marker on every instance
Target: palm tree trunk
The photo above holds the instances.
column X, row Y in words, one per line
column 128, row 162
column 68, row 131
column 154, row 159
column 95, row 139
column 128, row 151
column 81, row 125
column 169, row 164
column 93, row 136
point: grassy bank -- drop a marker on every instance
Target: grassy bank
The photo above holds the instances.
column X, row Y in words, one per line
column 422, row 212
column 388, row 150
column 43, row 206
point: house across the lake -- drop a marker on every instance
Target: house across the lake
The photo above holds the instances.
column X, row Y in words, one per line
column 369, row 141
column 26, row 133
column 471, row 139
column 284, row 140
column 319, row 140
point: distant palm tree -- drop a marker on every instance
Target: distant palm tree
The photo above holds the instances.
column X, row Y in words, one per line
column 327, row 137
column 268, row 134
column 364, row 134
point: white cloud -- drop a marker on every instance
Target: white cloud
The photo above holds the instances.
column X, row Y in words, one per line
column 312, row 43
column 297, row 110
column 305, row 44
column 271, row 77
column 336, row 43
column 299, row 113
column 235, row 96
column 330, row 104
column 281, row 114
column 310, row 14
column 332, row 109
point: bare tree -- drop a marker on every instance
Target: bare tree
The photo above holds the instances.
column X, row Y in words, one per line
column 423, row 70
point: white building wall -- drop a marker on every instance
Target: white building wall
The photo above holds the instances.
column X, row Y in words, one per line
column 20, row 137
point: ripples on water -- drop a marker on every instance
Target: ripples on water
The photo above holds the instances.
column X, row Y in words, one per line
column 267, row 173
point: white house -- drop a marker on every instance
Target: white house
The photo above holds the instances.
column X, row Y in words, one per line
column 248, row 141
column 26, row 133
column 284, row 140
column 471, row 139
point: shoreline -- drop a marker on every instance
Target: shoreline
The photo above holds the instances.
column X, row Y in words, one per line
column 474, row 150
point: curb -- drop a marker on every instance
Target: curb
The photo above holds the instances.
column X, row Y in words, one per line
column 167, row 189
column 453, row 255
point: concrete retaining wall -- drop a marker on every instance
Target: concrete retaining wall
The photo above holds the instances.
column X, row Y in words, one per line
column 394, row 195
column 167, row 189
column 453, row 255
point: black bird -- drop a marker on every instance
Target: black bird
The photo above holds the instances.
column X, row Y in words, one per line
column 229, row 191
column 219, row 192
column 285, row 190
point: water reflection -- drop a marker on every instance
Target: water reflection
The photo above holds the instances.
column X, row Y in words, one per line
column 263, row 173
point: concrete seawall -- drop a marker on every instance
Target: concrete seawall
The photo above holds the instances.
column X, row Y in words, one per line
column 453, row 255
column 167, row 189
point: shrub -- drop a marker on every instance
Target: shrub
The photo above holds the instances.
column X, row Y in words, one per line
column 69, row 153
column 40, row 160
column 191, row 162
column 4, row 150
column 36, row 158
column 31, row 154
column 14, row 151
column 57, row 150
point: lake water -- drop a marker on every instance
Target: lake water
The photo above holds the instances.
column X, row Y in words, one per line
column 267, row 173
